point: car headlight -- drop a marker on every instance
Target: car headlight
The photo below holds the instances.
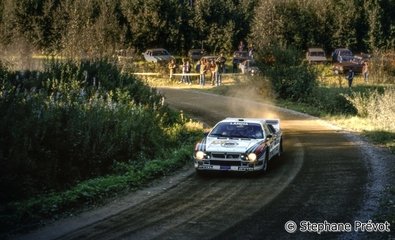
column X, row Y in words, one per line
column 200, row 155
column 252, row 157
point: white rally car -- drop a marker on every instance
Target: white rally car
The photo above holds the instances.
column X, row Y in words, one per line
column 239, row 144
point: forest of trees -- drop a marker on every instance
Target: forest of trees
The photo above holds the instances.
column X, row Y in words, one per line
column 99, row 27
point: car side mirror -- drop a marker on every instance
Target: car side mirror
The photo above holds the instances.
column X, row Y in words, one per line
column 269, row 136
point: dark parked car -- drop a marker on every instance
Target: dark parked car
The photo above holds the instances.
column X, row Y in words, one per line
column 344, row 67
column 196, row 54
column 342, row 55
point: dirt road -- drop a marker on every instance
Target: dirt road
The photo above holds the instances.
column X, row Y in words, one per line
column 322, row 175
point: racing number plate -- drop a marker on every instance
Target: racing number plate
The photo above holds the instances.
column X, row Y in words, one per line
column 224, row 167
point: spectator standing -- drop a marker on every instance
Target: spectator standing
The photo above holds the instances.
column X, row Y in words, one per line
column 217, row 76
column 350, row 77
column 235, row 62
column 184, row 66
column 203, row 66
column 241, row 46
column 251, row 52
column 187, row 71
column 172, row 68
column 221, row 60
column 213, row 68
column 197, row 69
column 365, row 71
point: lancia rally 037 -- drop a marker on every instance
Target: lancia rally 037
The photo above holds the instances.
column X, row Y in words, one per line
column 239, row 144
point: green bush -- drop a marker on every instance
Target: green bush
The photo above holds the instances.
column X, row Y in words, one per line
column 72, row 122
column 378, row 106
column 291, row 77
column 332, row 101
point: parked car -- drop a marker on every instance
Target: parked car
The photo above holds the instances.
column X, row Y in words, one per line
column 356, row 64
column 316, row 55
column 344, row 67
column 240, row 56
column 362, row 57
column 196, row 54
column 157, row 55
column 239, row 144
column 249, row 67
column 342, row 55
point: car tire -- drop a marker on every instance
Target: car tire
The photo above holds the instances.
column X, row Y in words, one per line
column 280, row 150
column 265, row 162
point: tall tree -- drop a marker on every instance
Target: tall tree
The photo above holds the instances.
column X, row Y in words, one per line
column 267, row 24
column 388, row 23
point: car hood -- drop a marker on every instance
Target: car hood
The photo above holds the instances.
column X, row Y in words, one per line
column 230, row 145
column 162, row 58
column 317, row 58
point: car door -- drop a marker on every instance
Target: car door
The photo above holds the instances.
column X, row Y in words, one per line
column 275, row 143
column 269, row 140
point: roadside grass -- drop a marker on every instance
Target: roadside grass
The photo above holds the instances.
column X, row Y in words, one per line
column 33, row 212
column 382, row 138
column 366, row 127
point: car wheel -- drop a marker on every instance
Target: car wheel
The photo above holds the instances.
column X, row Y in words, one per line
column 280, row 150
column 265, row 162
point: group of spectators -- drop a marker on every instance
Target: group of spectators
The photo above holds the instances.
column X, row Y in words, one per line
column 215, row 67
column 205, row 66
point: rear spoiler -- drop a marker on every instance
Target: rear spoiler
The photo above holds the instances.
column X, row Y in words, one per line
column 274, row 122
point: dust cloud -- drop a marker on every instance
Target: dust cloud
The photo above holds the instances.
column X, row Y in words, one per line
column 257, row 96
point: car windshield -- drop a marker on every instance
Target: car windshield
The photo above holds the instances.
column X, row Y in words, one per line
column 237, row 130
column 317, row 54
column 159, row 53
column 346, row 53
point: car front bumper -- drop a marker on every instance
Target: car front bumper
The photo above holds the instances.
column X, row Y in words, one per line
column 238, row 166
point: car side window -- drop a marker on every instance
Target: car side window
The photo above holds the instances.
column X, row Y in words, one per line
column 271, row 129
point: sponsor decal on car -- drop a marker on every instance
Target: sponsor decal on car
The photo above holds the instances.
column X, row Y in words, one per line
column 246, row 169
